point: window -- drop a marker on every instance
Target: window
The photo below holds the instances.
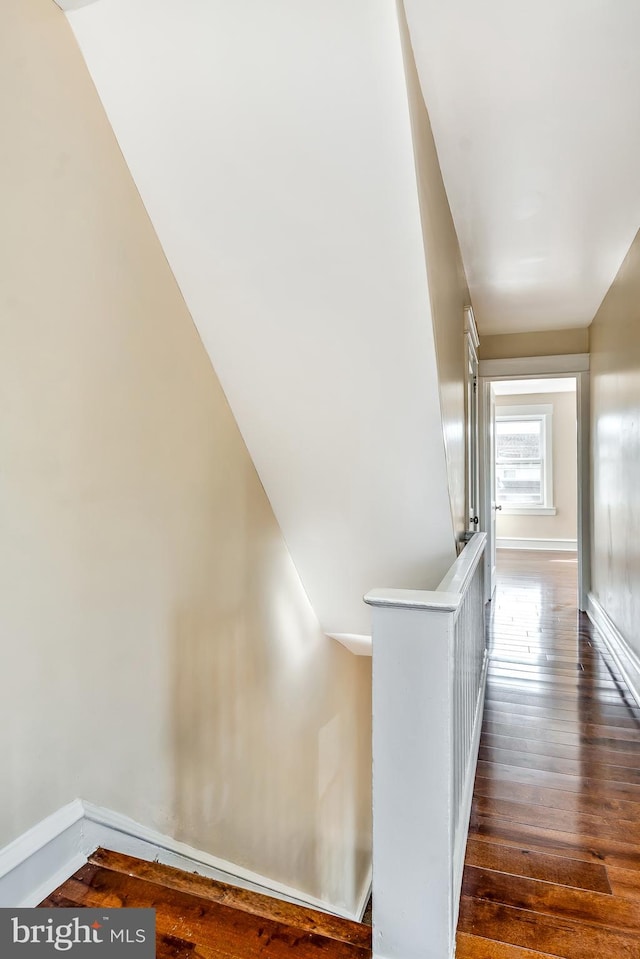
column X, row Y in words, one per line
column 524, row 469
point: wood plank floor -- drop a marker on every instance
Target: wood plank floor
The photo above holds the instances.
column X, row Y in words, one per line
column 553, row 858
column 199, row 918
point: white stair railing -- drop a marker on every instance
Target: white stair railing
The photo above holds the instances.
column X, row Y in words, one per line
column 429, row 674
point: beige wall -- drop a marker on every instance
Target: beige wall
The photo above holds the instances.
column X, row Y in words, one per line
column 448, row 289
column 615, row 425
column 564, row 525
column 159, row 656
column 503, row 346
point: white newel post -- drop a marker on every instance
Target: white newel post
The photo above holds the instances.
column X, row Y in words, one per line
column 411, row 767
column 429, row 669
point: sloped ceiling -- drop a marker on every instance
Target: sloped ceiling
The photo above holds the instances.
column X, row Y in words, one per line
column 271, row 145
column 535, row 109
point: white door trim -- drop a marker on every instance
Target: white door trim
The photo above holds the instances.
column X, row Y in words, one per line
column 523, row 366
column 584, row 489
column 486, row 491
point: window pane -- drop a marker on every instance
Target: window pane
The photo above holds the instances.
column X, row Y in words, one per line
column 519, row 484
column 518, row 440
column 519, row 462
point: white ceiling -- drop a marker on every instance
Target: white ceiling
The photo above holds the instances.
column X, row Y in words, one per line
column 535, row 109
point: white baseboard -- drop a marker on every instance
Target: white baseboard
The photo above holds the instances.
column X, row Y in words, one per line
column 622, row 654
column 41, row 859
column 516, row 542
column 102, row 827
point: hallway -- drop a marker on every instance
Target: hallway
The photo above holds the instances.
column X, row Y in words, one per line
column 553, row 858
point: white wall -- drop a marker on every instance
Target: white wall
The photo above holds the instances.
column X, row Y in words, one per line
column 448, row 291
column 271, row 145
column 615, row 437
column 159, row 655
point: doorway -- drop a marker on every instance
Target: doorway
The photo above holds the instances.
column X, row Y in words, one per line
column 534, row 476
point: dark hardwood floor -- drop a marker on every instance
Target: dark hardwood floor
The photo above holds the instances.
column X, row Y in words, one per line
column 198, row 918
column 553, row 858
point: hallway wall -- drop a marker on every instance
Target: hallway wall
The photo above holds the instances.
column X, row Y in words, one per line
column 615, row 405
column 501, row 346
column 448, row 290
column 159, row 654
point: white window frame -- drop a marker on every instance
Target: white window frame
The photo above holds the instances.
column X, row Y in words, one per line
column 544, row 413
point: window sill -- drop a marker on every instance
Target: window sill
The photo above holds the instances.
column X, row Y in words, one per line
column 529, row 510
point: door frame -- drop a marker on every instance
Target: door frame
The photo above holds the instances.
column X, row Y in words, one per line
column 542, row 367
column 487, row 482
column 473, row 451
